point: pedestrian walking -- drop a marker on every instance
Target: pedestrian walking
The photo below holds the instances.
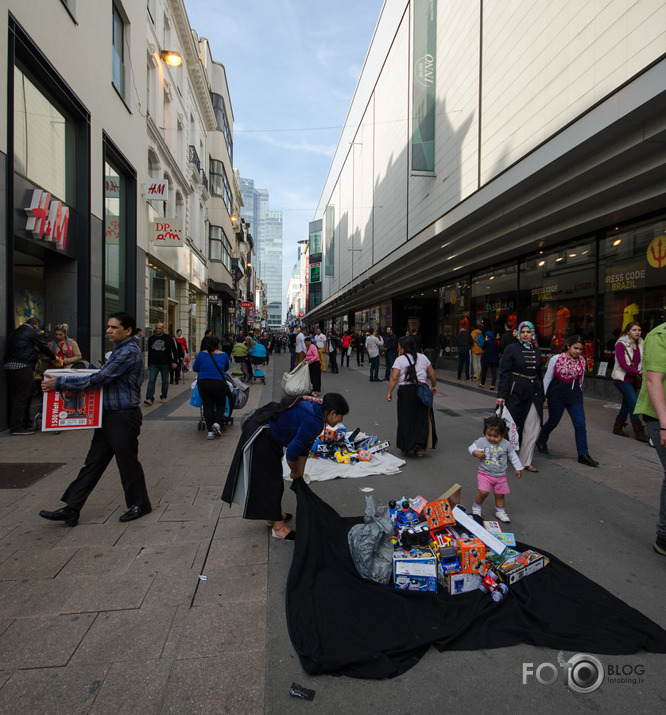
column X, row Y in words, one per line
column 312, row 359
column 464, row 344
column 211, row 366
column 321, row 345
column 121, row 377
column 563, row 387
column 652, row 405
column 359, row 346
column 346, row 347
column 333, row 350
column 300, row 346
column 477, row 351
column 373, row 344
column 489, row 360
column 182, row 352
column 627, row 375
column 390, row 351
column 291, row 344
column 521, row 389
column 24, row 346
column 162, row 358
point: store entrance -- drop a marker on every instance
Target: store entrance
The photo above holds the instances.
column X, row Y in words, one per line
column 29, row 288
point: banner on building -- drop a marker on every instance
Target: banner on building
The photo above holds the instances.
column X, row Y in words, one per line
column 423, row 85
column 315, row 273
column 157, row 190
column 329, row 241
column 167, row 232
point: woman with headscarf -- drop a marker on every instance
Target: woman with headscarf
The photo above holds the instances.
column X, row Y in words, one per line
column 521, row 390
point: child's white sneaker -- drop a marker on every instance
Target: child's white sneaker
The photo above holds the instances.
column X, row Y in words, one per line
column 476, row 510
column 502, row 516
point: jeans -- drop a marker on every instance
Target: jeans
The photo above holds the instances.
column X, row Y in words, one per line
column 476, row 365
column 360, row 356
column 374, row 367
column 463, row 362
column 629, row 398
column 655, row 433
column 153, row 370
column 577, row 414
column 292, row 359
column 390, row 357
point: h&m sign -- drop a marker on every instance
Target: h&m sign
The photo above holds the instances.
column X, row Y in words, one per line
column 47, row 220
column 157, row 190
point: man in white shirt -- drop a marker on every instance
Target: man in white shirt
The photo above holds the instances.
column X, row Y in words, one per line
column 320, row 342
column 300, row 345
column 373, row 344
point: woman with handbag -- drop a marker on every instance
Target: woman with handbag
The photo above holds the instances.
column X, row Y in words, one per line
column 211, row 365
column 312, row 359
column 521, row 390
column 416, row 419
column 627, row 375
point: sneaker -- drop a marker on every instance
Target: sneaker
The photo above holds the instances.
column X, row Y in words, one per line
column 660, row 546
column 163, row 399
column 24, row 430
column 502, row 516
column 476, row 510
column 217, row 429
column 481, row 386
column 148, row 401
column 492, row 387
column 211, row 435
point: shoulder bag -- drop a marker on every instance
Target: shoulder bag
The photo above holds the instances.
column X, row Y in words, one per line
column 239, row 390
column 424, row 393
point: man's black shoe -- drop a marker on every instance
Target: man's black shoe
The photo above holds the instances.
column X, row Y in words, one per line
column 586, row 459
column 660, row 546
column 67, row 514
column 135, row 512
column 542, row 447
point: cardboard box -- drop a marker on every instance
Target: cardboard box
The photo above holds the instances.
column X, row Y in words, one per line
column 415, row 570
column 66, row 410
column 456, row 583
column 517, row 567
column 471, row 554
column 438, row 515
column 452, row 495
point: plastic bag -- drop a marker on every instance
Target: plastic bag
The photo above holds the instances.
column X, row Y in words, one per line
column 370, row 545
column 297, row 382
column 239, row 390
column 195, row 400
column 511, row 428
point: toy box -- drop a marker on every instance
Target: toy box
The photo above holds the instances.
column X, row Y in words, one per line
column 471, row 554
column 415, row 570
column 67, row 410
column 456, row 583
column 448, row 560
column 438, row 514
column 517, row 567
column 418, row 504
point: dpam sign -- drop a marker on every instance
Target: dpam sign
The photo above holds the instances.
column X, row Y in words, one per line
column 47, row 220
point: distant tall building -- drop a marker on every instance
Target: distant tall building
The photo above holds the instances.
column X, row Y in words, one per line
column 266, row 228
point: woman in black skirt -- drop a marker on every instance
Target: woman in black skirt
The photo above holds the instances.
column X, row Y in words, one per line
column 416, row 421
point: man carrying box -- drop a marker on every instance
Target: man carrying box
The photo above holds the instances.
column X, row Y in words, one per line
column 118, row 436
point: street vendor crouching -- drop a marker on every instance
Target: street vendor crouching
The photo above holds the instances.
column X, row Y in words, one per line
column 255, row 476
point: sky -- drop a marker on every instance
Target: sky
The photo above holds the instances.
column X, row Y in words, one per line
column 292, row 67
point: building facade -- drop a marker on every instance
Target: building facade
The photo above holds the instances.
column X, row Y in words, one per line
column 502, row 161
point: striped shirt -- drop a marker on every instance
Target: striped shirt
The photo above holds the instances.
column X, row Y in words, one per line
column 121, row 377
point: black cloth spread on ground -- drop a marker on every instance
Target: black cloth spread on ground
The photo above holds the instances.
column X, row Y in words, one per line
column 339, row 623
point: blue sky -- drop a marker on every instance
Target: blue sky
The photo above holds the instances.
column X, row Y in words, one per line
column 292, row 68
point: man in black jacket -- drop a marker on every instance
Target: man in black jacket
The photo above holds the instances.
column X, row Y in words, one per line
column 162, row 356
column 464, row 341
column 23, row 346
column 390, row 351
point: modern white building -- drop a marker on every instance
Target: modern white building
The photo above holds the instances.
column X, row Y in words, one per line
column 502, row 160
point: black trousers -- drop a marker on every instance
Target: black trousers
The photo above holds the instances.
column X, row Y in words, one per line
column 20, row 383
column 333, row 360
column 315, row 375
column 118, row 436
column 214, row 394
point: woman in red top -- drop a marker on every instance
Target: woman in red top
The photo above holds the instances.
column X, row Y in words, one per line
column 183, row 354
column 346, row 347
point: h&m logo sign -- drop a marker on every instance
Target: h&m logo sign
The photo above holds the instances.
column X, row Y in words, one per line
column 47, row 220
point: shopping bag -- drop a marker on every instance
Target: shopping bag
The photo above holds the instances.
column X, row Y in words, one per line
column 512, row 430
column 297, row 382
column 195, row 400
column 239, row 390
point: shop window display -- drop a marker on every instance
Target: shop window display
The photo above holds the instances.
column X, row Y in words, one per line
column 454, row 310
column 493, row 299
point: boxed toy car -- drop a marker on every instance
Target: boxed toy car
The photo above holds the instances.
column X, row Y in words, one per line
column 456, row 583
column 517, row 567
column 415, row 569
column 471, row 554
column 438, row 515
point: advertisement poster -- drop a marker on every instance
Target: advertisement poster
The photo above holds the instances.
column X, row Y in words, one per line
column 65, row 410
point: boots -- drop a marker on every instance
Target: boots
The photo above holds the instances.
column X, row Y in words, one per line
column 639, row 432
column 617, row 427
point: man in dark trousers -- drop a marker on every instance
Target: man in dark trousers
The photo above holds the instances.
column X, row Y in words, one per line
column 118, row 436
column 162, row 358
column 390, row 351
column 464, row 341
column 23, row 347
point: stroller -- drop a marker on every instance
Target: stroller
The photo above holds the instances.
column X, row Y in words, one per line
column 258, row 357
column 225, row 420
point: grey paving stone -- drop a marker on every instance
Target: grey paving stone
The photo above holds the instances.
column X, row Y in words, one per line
column 196, row 531
column 133, row 687
column 236, row 527
column 53, row 690
column 93, row 535
column 229, row 683
column 177, row 494
column 43, row 642
column 236, row 583
column 101, row 561
column 34, row 597
column 105, row 593
column 41, row 536
column 218, row 630
column 209, row 495
column 164, row 557
column 244, row 550
column 189, row 512
column 144, row 534
column 35, row 563
column 173, row 588
column 115, row 636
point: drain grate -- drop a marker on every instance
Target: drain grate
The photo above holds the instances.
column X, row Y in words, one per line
column 448, row 411
column 18, row 475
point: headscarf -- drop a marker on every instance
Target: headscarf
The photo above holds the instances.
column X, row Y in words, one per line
column 532, row 340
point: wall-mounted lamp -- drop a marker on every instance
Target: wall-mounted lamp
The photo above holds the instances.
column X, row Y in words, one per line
column 171, row 58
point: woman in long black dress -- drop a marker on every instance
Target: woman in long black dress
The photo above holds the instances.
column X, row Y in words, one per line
column 521, row 390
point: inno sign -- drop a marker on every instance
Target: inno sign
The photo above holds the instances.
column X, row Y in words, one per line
column 47, row 220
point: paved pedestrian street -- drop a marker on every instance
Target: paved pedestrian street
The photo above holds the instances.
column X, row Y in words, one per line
column 183, row 610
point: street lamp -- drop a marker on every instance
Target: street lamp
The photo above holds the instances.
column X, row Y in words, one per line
column 171, row 58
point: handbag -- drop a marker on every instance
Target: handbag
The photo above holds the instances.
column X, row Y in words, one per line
column 424, row 393
column 349, row 350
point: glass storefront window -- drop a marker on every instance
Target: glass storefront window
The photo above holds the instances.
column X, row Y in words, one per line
column 557, row 290
column 632, row 277
column 158, row 299
column 44, row 140
column 493, row 299
column 454, row 311
column 115, row 240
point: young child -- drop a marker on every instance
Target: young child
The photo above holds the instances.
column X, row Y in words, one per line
column 494, row 451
